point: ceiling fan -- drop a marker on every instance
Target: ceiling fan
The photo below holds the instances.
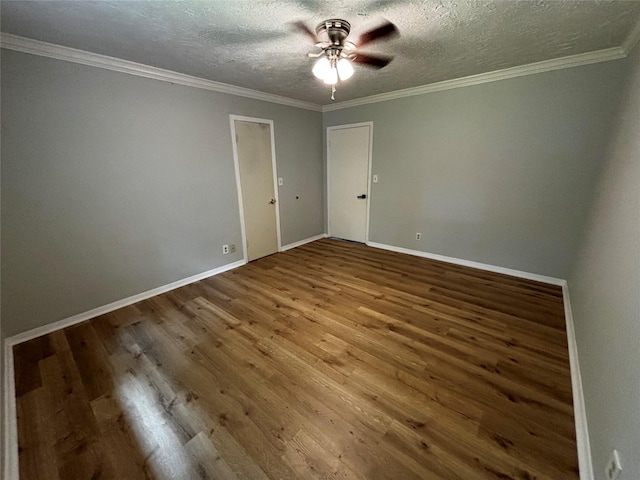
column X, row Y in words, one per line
column 337, row 53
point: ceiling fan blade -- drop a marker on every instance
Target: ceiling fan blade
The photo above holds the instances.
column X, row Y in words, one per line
column 302, row 27
column 371, row 60
column 387, row 29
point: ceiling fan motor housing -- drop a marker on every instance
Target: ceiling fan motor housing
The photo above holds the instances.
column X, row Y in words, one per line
column 335, row 29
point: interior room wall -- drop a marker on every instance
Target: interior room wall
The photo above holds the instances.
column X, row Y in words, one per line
column 499, row 173
column 605, row 294
column 114, row 184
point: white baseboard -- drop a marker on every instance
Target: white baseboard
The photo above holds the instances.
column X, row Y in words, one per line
column 579, row 411
column 81, row 317
column 469, row 263
column 11, row 470
column 302, row 242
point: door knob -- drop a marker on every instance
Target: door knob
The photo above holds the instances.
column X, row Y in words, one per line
column 272, row 201
column 363, row 196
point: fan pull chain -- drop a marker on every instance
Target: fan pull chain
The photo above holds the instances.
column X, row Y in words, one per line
column 333, row 91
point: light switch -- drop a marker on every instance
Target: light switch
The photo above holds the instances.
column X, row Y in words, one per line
column 375, row 179
column 280, row 182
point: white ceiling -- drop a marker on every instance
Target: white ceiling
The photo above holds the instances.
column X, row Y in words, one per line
column 250, row 44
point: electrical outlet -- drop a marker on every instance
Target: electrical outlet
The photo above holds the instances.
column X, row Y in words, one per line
column 614, row 468
column 418, row 236
column 225, row 249
column 375, row 179
column 232, row 248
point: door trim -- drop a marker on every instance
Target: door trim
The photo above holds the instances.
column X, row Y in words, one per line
column 274, row 168
column 369, row 164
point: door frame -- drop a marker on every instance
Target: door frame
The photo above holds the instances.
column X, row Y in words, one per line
column 274, row 169
column 369, row 166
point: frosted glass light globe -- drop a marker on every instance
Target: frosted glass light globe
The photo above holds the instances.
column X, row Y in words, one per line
column 345, row 69
column 331, row 78
column 321, row 68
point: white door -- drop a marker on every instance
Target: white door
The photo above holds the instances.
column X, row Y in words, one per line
column 258, row 194
column 349, row 155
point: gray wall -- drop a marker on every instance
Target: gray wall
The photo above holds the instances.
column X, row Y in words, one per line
column 605, row 295
column 499, row 173
column 113, row 184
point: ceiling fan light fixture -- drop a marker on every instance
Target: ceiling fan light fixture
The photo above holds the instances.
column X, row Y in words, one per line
column 321, row 68
column 345, row 69
column 337, row 54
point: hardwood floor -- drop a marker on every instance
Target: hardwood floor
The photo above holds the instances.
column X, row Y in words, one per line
column 332, row 360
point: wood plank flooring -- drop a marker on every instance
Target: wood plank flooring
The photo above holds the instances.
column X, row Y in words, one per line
column 332, row 360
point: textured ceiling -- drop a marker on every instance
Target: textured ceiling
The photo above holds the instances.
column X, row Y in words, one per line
column 249, row 43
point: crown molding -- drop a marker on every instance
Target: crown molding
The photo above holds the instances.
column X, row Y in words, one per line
column 520, row 71
column 36, row 47
column 44, row 49
column 632, row 39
